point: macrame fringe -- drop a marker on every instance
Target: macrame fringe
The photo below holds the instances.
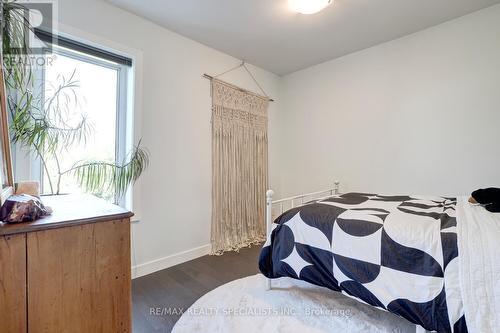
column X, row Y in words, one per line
column 239, row 168
column 238, row 247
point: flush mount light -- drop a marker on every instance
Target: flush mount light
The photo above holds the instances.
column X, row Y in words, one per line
column 308, row 6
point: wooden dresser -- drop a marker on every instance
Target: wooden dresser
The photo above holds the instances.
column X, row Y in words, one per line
column 69, row 272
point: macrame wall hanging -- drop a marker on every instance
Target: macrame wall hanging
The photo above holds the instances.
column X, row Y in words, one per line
column 239, row 165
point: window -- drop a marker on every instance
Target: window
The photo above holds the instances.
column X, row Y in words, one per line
column 99, row 96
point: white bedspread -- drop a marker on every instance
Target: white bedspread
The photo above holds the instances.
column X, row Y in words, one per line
column 479, row 253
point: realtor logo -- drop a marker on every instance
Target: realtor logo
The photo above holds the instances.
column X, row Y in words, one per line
column 22, row 20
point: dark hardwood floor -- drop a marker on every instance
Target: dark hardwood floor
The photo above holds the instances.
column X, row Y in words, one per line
column 158, row 299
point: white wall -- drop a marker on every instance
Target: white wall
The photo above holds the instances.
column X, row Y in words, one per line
column 172, row 115
column 420, row 114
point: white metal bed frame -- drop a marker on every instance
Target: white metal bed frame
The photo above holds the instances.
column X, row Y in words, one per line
column 292, row 201
column 292, row 204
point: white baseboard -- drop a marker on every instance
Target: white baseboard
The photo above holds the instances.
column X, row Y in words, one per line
column 169, row 261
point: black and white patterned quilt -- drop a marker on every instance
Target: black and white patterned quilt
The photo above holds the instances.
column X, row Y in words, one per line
column 398, row 253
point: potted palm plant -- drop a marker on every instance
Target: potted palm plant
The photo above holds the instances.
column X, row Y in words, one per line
column 44, row 127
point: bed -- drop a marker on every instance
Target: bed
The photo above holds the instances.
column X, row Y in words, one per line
column 431, row 260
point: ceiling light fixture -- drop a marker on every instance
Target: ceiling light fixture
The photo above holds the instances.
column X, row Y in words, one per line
column 308, row 6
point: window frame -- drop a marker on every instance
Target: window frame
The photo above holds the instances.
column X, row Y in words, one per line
column 123, row 108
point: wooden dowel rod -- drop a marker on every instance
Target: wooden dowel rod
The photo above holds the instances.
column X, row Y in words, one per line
column 210, row 77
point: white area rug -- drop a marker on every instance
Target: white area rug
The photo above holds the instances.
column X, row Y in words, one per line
column 291, row 306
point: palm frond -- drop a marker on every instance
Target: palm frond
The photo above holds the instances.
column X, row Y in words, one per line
column 46, row 126
column 100, row 177
column 15, row 46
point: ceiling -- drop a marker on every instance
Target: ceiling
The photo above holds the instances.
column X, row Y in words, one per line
column 268, row 34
